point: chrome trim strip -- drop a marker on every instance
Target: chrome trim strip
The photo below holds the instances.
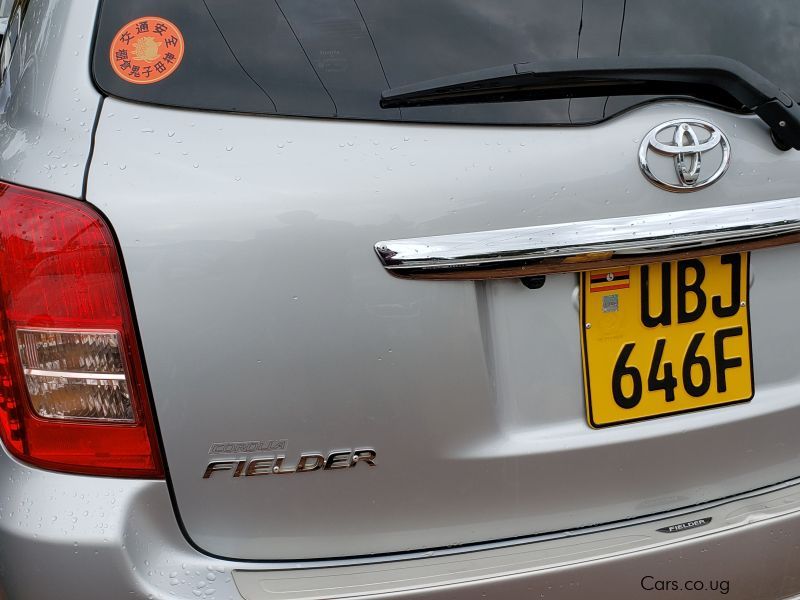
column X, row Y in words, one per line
column 570, row 247
column 73, row 374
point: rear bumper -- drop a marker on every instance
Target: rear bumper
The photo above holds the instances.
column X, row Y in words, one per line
column 64, row 536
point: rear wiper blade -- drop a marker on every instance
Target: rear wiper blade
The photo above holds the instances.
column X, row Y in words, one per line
column 715, row 79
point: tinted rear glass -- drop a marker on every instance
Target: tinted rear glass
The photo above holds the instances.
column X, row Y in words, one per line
column 333, row 58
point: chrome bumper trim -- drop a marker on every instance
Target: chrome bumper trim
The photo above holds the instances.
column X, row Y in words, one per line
column 586, row 245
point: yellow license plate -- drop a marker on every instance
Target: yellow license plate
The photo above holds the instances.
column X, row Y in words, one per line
column 665, row 338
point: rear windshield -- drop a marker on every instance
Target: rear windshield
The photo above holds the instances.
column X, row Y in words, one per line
column 333, row 58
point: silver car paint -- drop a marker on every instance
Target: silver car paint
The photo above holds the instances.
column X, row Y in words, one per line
column 91, row 538
column 265, row 314
column 66, row 536
column 48, row 102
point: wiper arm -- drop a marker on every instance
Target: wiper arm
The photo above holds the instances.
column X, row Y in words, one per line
column 715, row 79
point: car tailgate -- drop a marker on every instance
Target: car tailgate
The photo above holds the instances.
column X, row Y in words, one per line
column 265, row 316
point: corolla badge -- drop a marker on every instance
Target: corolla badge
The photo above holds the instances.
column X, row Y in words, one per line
column 699, row 153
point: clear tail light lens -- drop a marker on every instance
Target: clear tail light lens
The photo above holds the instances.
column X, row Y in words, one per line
column 75, row 375
column 72, row 390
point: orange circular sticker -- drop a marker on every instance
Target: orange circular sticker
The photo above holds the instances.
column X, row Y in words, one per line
column 146, row 50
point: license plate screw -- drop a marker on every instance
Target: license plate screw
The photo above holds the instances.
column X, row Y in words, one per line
column 742, row 303
column 588, row 326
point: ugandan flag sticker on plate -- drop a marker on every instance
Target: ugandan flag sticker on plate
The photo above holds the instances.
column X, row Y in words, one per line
column 604, row 281
column 146, row 50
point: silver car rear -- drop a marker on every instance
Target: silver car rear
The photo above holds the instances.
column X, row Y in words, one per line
column 366, row 362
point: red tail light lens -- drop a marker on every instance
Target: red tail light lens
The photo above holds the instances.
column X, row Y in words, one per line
column 72, row 390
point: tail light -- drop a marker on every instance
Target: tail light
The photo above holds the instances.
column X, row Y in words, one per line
column 72, row 390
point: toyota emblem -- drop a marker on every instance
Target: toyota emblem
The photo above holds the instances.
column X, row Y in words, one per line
column 700, row 154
